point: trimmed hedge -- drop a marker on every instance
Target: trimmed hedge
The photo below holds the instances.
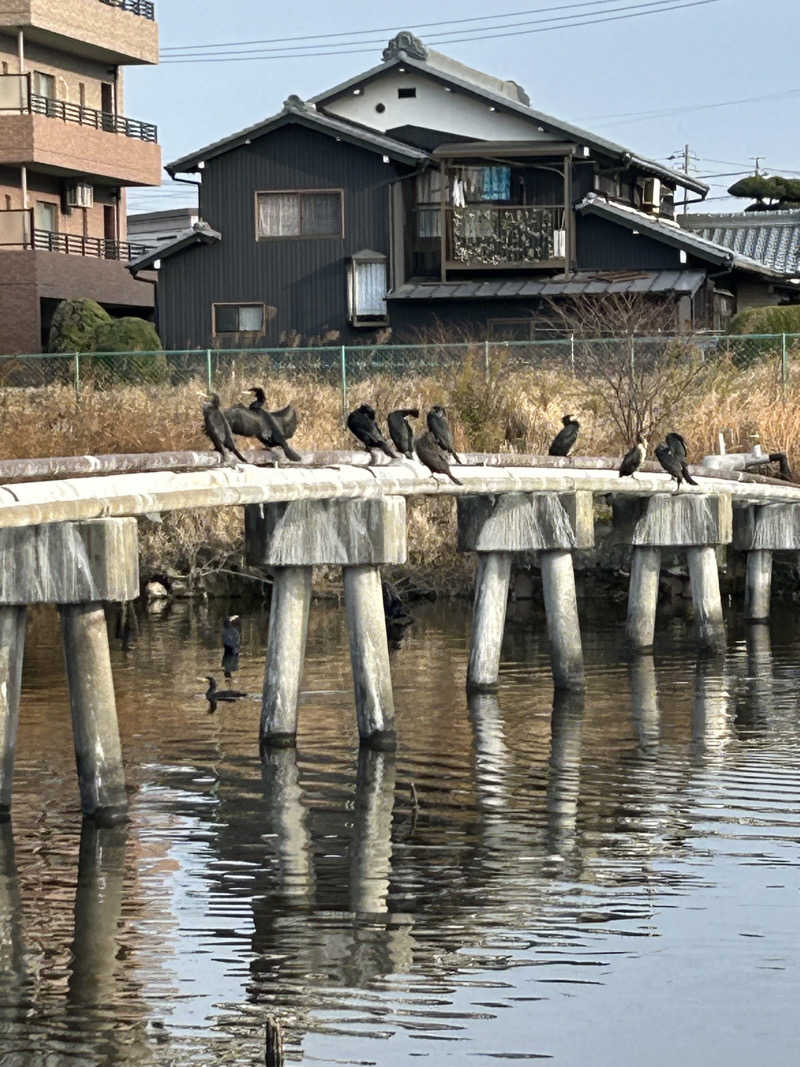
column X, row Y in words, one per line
column 74, row 326
column 771, row 319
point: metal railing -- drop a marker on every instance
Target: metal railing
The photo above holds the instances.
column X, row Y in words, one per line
column 502, row 235
column 145, row 8
column 72, row 244
column 89, row 116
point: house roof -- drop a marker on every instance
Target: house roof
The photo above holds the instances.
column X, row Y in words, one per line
column 670, row 233
column 200, row 233
column 408, row 51
column 771, row 237
column 680, row 282
column 295, row 111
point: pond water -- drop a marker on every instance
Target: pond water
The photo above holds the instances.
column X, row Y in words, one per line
column 606, row 881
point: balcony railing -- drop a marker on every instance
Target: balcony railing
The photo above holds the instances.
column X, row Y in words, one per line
column 137, row 7
column 88, row 116
column 17, row 232
column 495, row 235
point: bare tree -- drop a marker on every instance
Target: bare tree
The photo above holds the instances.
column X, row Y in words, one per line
column 629, row 359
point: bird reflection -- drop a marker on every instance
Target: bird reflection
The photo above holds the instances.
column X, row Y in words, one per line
column 644, row 700
column 564, row 773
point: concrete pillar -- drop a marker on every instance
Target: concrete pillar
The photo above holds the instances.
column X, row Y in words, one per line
column 12, row 643
column 286, row 649
column 488, row 619
column 98, row 752
column 563, row 624
column 704, row 578
column 758, row 585
column 643, row 596
column 369, row 656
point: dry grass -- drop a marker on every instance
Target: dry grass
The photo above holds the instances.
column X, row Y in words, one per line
column 516, row 410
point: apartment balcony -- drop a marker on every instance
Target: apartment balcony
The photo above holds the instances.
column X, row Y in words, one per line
column 503, row 237
column 18, row 234
column 66, row 138
column 111, row 31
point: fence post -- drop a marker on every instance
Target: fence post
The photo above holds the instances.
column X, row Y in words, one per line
column 344, row 380
column 572, row 351
column 784, row 366
column 77, row 376
column 209, row 370
column 486, row 367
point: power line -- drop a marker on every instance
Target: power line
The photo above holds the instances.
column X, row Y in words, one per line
column 638, row 116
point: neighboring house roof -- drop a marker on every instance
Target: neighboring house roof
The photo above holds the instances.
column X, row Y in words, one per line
column 408, row 51
column 200, row 233
column 670, row 233
column 295, row 111
column 771, row 237
column 680, row 282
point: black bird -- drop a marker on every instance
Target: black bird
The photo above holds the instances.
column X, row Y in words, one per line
column 286, row 417
column 362, row 425
column 394, row 610
column 259, row 424
column 434, row 456
column 674, row 465
column 213, row 694
column 231, row 644
column 676, row 445
column 565, row 439
column 633, row 459
column 440, row 428
column 217, row 429
column 400, row 432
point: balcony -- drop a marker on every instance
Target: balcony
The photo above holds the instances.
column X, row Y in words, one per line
column 17, row 233
column 143, row 8
column 87, row 116
column 111, row 31
column 505, row 237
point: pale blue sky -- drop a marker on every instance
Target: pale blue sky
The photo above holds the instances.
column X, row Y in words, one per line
column 603, row 77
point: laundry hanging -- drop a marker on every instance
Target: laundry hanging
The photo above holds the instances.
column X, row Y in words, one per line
column 497, row 183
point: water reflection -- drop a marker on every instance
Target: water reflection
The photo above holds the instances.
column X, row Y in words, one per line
column 12, row 947
column 644, row 702
column 711, row 725
column 287, row 824
column 564, row 777
column 753, row 713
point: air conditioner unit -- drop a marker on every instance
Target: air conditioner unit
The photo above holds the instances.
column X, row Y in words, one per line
column 80, row 194
column 651, row 194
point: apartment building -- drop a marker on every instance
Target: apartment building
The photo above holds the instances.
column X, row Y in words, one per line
column 68, row 152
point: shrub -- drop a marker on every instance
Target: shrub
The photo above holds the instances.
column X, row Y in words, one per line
column 123, row 335
column 771, row 319
column 75, row 324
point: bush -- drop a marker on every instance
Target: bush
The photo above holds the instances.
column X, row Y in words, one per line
column 771, row 319
column 75, row 324
column 123, row 335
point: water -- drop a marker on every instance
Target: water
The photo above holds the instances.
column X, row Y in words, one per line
column 600, row 884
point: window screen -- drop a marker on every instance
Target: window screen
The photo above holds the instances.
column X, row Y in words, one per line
column 299, row 214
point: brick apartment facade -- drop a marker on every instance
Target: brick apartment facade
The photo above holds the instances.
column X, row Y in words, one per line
column 67, row 155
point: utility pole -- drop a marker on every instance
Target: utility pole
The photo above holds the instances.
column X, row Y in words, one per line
column 757, row 161
column 686, row 156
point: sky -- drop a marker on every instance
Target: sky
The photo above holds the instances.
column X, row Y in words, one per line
column 719, row 75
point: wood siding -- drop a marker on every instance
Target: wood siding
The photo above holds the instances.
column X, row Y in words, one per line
column 603, row 245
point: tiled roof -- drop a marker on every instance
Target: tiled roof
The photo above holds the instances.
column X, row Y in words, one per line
column 586, row 281
column 771, row 237
column 200, row 233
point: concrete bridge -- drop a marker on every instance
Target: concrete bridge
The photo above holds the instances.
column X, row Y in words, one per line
column 72, row 541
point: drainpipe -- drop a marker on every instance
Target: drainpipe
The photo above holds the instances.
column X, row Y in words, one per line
column 23, row 171
column 21, row 50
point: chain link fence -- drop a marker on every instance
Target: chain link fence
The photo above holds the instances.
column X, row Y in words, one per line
column 345, row 366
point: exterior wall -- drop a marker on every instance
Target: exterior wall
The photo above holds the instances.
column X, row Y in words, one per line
column 468, row 320
column 153, row 227
column 752, row 293
column 20, row 327
column 70, row 71
column 47, row 188
column 603, row 245
column 303, row 279
column 109, row 32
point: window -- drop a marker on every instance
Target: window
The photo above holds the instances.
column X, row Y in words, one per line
column 299, row 214
column 44, row 84
column 45, row 216
column 366, row 289
column 238, row 318
column 405, row 94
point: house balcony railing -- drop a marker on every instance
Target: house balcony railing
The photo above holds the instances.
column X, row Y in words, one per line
column 18, row 233
column 503, row 236
column 137, row 7
column 16, row 96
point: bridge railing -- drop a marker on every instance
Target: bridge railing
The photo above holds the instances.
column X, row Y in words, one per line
column 344, row 366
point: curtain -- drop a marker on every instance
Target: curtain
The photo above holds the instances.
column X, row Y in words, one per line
column 278, row 215
column 370, row 289
column 251, row 318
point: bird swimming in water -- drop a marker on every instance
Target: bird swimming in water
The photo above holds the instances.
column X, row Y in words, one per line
column 633, row 459
column 286, row 418
column 213, row 695
column 231, row 645
column 400, row 432
column 434, row 457
column 674, row 465
column 361, row 423
column 565, row 439
column 440, row 428
column 217, row 429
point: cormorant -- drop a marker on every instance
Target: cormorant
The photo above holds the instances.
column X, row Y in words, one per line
column 285, row 417
column 565, row 439
column 400, row 432
column 440, row 428
column 674, row 465
column 633, row 459
column 217, row 429
column 397, row 618
column 362, row 425
column 261, row 425
column 434, row 456
column 213, row 694
column 231, row 644
column 676, row 445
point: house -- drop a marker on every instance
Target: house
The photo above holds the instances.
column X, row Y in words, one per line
column 419, row 194
column 67, row 155
column 153, row 228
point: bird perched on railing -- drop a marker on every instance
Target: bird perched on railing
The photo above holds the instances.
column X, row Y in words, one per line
column 400, row 432
column 675, row 466
column 231, row 645
column 633, row 459
column 677, row 447
column 259, row 424
column 565, row 439
column 286, row 417
column 217, row 429
column 434, row 456
column 361, row 423
column 440, row 428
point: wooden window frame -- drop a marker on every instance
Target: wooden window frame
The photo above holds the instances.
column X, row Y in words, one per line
column 237, row 304
column 300, row 236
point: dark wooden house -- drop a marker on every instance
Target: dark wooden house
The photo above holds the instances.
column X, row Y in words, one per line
column 422, row 195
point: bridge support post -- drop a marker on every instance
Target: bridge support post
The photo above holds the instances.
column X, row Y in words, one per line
column 758, row 585
column 759, row 531
column 12, row 644
column 496, row 527
column 76, row 565
column 643, row 597
column 358, row 535
column 706, row 599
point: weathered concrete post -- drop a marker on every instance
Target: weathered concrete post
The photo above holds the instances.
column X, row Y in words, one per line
column 495, row 527
column 12, row 644
column 643, row 596
column 759, row 531
column 359, row 535
column 78, row 565
column 758, row 585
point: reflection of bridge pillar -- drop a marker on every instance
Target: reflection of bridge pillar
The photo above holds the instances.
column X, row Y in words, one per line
column 760, row 689
column 372, row 831
column 12, row 946
column 564, row 774
column 497, row 526
column 288, row 820
column 359, row 535
column 759, row 531
column 710, row 726
column 12, row 644
column 644, row 698
column 76, row 565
